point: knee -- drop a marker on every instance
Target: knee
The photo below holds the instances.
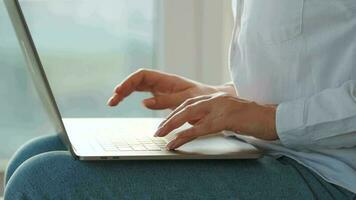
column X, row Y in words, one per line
column 38, row 176
column 31, row 148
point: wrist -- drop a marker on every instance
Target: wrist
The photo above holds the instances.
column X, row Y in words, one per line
column 258, row 121
column 269, row 113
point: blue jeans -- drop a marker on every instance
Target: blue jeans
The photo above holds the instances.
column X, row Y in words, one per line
column 43, row 169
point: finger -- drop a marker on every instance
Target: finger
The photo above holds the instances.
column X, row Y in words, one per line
column 112, row 100
column 140, row 80
column 193, row 122
column 184, row 137
column 188, row 135
column 166, row 101
column 189, row 113
column 127, row 87
column 182, row 106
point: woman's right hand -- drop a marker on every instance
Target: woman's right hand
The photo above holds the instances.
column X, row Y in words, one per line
column 168, row 90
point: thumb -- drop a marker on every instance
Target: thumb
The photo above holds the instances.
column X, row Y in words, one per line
column 166, row 101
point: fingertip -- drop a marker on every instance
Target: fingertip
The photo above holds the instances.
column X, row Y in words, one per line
column 170, row 145
column 158, row 133
column 113, row 101
column 149, row 102
column 174, row 144
column 110, row 101
column 111, row 104
column 161, row 124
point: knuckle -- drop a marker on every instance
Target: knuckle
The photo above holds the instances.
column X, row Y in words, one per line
column 226, row 99
column 188, row 109
column 191, row 100
column 142, row 71
column 188, row 101
column 185, row 102
column 223, row 97
column 202, row 106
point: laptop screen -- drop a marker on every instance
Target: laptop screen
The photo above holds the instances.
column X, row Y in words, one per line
column 35, row 67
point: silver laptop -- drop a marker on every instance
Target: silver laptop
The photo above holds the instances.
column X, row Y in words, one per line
column 117, row 138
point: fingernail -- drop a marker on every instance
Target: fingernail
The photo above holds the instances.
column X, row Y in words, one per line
column 109, row 103
column 161, row 124
column 158, row 132
column 149, row 102
column 171, row 145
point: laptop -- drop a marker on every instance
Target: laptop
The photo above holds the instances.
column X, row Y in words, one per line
column 117, row 138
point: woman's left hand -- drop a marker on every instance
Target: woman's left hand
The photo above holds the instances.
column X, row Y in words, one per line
column 217, row 112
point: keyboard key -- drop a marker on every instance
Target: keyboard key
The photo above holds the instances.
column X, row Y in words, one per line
column 125, row 148
column 152, row 147
column 139, row 147
column 161, row 146
column 160, row 142
column 138, row 143
column 108, row 147
column 115, row 139
column 147, row 142
column 119, row 143
column 143, row 138
column 156, row 139
column 132, row 141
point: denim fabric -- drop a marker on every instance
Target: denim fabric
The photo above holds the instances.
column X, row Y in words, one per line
column 43, row 169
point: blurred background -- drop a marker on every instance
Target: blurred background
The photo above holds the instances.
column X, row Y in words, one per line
column 89, row 46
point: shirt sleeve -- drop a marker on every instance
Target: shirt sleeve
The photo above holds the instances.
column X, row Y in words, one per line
column 324, row 120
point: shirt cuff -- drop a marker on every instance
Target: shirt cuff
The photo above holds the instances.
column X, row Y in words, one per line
column 290, row 123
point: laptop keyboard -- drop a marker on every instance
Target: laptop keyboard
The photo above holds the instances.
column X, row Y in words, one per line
column 143, row 143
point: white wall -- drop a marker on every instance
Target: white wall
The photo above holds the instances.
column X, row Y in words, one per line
column 195, row 38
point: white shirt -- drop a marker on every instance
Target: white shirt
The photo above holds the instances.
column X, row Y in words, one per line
column 301, row 55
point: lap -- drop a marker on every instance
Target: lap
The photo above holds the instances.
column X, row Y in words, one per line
column 32, row 148
column 57, row 175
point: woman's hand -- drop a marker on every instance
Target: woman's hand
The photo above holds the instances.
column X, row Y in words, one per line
column 217, row 112
column 168, row 90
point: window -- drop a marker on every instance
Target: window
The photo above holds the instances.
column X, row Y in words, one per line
column 86, row 47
